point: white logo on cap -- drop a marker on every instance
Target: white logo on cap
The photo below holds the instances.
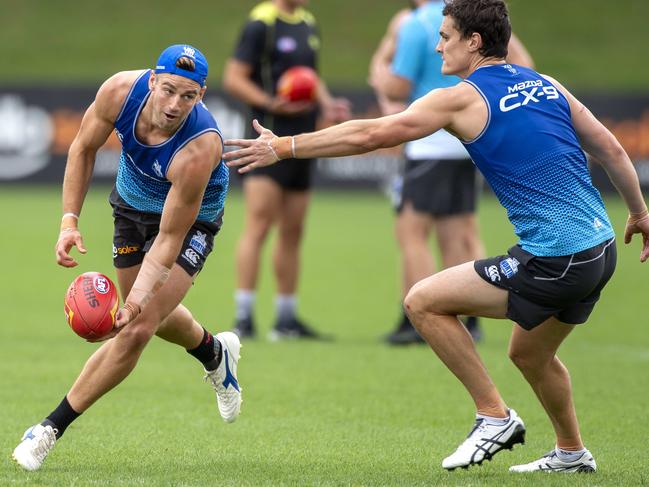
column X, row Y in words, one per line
column 188, row 51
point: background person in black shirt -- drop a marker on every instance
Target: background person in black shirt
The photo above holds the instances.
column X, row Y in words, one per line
column 279, row 34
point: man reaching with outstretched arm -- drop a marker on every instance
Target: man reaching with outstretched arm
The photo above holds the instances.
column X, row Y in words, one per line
column 547, row 283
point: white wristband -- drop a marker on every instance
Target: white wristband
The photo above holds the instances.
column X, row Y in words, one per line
column 73, row 215
column 293, row 147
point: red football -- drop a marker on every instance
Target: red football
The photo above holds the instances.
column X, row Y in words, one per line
column 91, row 304
column 299, row 83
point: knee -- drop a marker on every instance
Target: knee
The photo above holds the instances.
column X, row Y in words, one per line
column 135, row 336
column 416, row 304
column 290, row 233
column 525, row 360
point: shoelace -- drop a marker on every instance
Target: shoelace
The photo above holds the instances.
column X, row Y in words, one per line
column 45, row 444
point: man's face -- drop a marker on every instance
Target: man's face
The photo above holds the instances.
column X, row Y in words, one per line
column 172, row 98
column 453, row 48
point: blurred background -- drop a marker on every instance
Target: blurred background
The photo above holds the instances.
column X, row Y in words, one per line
column 56, row 53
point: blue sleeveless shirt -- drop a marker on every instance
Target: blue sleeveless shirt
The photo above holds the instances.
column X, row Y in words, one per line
column 530, row 155
column 141, row 175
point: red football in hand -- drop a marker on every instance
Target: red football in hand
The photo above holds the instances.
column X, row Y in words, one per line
column 299, row 83
column 91, row 304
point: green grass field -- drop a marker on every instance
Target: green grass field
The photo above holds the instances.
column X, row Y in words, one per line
column 352, row 412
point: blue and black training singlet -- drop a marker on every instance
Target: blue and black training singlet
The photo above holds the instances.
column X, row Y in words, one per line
column 530, row 155
column 141, row 176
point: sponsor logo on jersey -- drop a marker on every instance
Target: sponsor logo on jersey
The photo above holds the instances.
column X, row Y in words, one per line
column 191, row 256
column 509, row 267
column 198, row 242
column 492, row 273
column 525, row 92
column 286, row 44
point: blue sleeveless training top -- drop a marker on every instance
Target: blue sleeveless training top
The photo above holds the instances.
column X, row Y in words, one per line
column 141, row 176
column 530, row 155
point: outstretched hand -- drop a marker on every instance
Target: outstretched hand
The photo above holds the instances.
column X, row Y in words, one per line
column 68, row 238
column 253, row 152
column 640, row 226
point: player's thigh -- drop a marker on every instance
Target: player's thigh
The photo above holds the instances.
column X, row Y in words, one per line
column 539, row 345
column 458, row 290
column 293, row 209
column 412, row 223
column 263, row 199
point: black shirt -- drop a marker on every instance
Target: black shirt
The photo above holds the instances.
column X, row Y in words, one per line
column 271, row 42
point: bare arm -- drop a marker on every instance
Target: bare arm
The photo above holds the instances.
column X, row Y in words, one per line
column 96, row 126
column 391, row 90
column 436, row 110
column 237, row 82
column 189, row 174
column 518, row 54
column 600, row 143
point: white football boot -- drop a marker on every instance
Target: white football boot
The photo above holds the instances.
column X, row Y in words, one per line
column 224, row 377
column 550, row 462
column 34, row 446
column 485, row 440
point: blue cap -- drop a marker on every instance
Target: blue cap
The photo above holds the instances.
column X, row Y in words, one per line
column 168, row 58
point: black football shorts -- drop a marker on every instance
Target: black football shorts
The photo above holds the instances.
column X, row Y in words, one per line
column 565, row 287
column 135, row 231
column 440, row 187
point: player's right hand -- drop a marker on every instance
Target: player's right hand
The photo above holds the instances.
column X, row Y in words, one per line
column 641, row 226
column 68, row 238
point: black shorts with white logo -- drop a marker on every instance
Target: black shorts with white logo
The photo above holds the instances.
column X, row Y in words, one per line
column 565, row 287
column 135, row 231
column 440, row 187
column 289, row 174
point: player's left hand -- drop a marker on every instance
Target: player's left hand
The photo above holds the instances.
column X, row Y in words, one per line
column 638, row 225
column 254, row 152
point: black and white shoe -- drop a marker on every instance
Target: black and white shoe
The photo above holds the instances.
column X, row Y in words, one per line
column 244, row 328
column 550, row 462
column 291, row 329
column 485, row 440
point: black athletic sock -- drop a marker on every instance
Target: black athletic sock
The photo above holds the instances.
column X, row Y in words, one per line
column 209, row 351
column 61, row 417
column 405, row 322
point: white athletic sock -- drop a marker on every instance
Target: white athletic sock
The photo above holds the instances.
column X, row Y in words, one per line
column 569, row 455
column 285, row 305
column 493, row 421
column 244, row 300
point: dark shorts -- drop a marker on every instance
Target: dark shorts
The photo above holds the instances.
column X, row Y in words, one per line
column 289, row 174
column 440, row 187
column 565, row 287
column 135, row 231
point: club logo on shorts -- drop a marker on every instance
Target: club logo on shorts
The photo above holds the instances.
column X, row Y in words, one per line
column 492, row 273
column 192, row 257
column 198, row 242
column 509, row 267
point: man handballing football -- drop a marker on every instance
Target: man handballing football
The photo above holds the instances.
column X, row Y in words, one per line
column 527, row 134
column 167, row 204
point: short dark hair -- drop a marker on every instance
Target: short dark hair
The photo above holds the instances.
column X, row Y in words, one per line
column 489, row 18
column 186, row 63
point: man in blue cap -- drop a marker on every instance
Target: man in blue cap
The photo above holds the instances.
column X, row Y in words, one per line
column 167, row 204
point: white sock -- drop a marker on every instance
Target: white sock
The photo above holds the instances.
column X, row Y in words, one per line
column 285, row 305
column 569, row 455
column 244, row 300
column 493, row 421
